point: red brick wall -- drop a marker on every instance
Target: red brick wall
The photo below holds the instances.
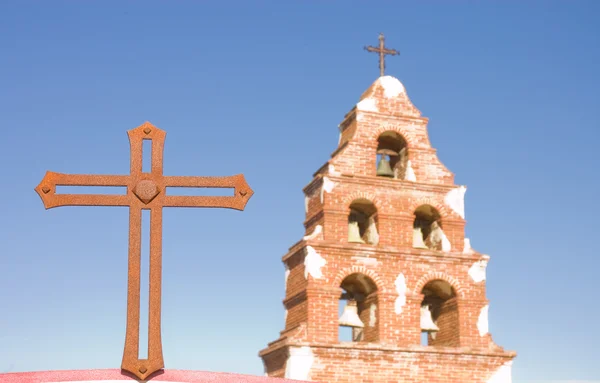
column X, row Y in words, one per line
column 373, row 363
column 341, row 364
column 418, row 266
column 395, row 201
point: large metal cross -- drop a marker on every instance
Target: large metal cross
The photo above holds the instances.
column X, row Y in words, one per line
column 382, row 50
column 145, row 191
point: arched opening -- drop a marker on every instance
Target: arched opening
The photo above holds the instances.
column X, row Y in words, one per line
column 427, row 230
column 439, row 315
column 362, row 222
column 358, row 310
column 392, row 156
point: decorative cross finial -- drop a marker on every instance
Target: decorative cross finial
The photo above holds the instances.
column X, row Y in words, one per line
column 146, row 190
column 382, row 50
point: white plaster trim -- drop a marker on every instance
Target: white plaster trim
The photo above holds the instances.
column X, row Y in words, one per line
column 401, row 290
column 287, row 273
column 392, row 87
column 372, row 234
column 367, row 105
column 455, row 199
column 467, row 247
column 331, row 170
column 327, row 186
column 372, row 315
column 477, row 270
column 446, row 245
column 410, row 173
column 315, row 233
column 299, row 363
column 285, row 317
column 504, row 374
column 313, row 262
column 482, row 321
column 438, row 236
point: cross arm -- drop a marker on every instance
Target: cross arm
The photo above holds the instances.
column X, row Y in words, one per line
column 242, row 192
column 47, row 190
column 382, row 50
column 392, row 52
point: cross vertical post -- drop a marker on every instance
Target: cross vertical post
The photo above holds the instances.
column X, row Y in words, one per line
column 382, row 50
column 145, row 191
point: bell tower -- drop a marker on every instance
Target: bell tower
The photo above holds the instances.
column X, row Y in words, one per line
column 384, row 286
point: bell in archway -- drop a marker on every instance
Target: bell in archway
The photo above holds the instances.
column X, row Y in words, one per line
column 383, row 167
column 354, row 233
column 350, row 316
column 427, row 324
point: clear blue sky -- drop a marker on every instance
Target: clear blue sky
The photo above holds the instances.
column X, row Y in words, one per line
column 511, row 92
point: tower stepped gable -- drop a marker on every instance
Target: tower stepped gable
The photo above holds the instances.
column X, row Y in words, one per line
column 384, row 235
column 385, row 108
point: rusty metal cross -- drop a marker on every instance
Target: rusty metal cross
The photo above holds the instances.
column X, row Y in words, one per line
column 145, row 191
column 382, row 50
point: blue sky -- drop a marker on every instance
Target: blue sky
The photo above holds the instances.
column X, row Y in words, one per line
column 259, row 88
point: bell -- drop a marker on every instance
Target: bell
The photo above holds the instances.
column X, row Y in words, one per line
column 427, row 324
column 383, row 168
column 354, row 233
column 418, row 242
column 350, row 317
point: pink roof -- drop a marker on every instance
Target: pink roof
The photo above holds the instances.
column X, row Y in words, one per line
column 182, row 376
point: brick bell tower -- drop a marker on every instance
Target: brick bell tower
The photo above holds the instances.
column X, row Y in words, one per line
column 384, row 287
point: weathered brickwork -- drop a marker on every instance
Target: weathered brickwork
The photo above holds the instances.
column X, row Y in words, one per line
column 390, row 275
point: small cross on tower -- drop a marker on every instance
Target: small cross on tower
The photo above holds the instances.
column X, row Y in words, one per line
column 382, row 50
